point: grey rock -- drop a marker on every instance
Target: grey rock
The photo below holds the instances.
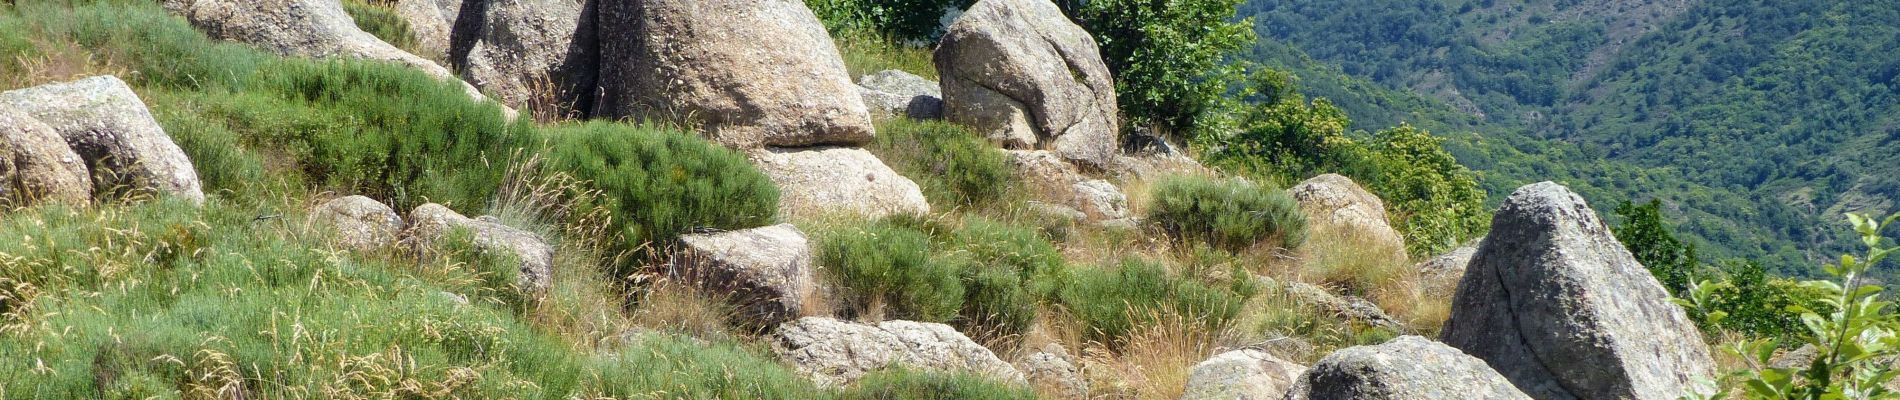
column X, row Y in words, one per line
column 431, row 223
column 36, row 166
column 1554, row 302
column 898, row 93
column 1337, row 200
column 431, row 22
column 105, row 123
column 529, row 53
column 1443, row 272
column 749, row 73
column 835, row 353
column 814, row 181
column 301, row 28
column 1409, row 367
column 1058, row 182
column 358, row 222
column 1019, row 72
column 1241, row 374
column 766, row 271
column 1054, row 371
column 1347, row 307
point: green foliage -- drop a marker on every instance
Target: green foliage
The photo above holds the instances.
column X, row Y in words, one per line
column 1231, row 214
column 1643, row 232
column 1111, row 301
column 382, row 23
column 907, row 20
column 659, row 183
column 955, row 167
column 1855, row 340
column 898, row 383
column 1168, row 58
column 1747, row 301
column 1434, row 200
column 983, row 276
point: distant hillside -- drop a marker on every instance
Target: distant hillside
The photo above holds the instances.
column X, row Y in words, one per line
column 1757, row 122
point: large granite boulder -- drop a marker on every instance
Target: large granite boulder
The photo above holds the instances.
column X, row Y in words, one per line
column 432, row 223
column 1241, row 374
column 1054, row 372
column 836, row 353
column 1060, row 183
column 357, row 222
column 531, row 54
column 1442, row 273
column 895, row 93
column 824, row 180
column 1021, row 73
column 35, row 164
column 749, row 73
column 767, row 272
column 1407, row 368
column 1554, row 302
column 431, row 22
column 1336, row 200
column 301, row 28
column 105, row 123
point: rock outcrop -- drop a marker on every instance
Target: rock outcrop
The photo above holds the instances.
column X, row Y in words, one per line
column 430, row 22
column 838, row 179
column 1060, row 183
column 1554, row 302
column 1346, row 307
column 36, row 166
column 1337, row 200
column 1052, row 370
column 301, row 28
column 1241, row 374
column 432, row 223
column 106, row 124
column 1021, row 73
column 767, row 272
column 896, row 93
column 1409, row 367
column 358, row 223
column 1443, row 272
column 749, row 73
column 836, row 353
column 529, row 53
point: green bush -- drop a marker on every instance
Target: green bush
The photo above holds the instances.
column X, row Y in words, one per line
column 1435, row 201
column 1009, row 271
column 1169, row 59
column 1227, row 213
column 909, row 20
column 892, row 265
column 955, row 167
column 659, row 184
column 901, row 383
column 382, row 23
column 1112, row 301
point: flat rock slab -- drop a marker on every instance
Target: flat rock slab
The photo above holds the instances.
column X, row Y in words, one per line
column 835, row 353
column 816, row 181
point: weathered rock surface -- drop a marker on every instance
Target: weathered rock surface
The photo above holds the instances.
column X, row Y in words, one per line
column 106, row 124
column 1554, row 302
column 1443, row 272
column 529, row 51
column 431, row 22
column 898, row 93
column 1337, row 200
column 838, row 179
column 766, row 271
column 1241, row 374
column 1052, row 370
column 430, row 223
column 835, row 353
column 749, row 73
column 300, row 28
column 1021, row 73
column 35, row 164
column 358, row 222
column 1409, row 367
column 1060, row 183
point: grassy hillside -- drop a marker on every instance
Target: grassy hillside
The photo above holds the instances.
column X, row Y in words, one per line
column 1756, row 122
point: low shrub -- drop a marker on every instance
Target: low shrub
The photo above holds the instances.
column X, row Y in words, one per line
column 899, row 383
column 1112, row 301
column 659, row 184
column 889, row 266
column 383, row 23
column 984, row 277
column 954, row 167
column 1231, row 214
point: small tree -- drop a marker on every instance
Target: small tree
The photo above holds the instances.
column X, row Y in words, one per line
column 1169, row 58
column 1643, row 232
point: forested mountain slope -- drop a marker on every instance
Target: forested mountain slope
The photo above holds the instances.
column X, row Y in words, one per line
column 1757, row 122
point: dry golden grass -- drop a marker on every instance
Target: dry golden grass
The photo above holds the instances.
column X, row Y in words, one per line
column 1353, row 263
column 679, row 308
column 56, row 61
column 1156, row 362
